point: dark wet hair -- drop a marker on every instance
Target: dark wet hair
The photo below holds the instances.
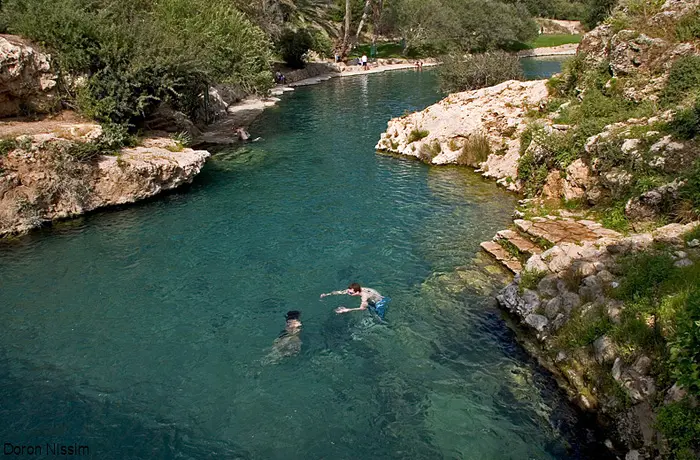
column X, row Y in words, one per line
column 293, row 314
column 355, row 287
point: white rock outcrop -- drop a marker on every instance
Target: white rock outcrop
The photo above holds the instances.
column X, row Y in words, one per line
column 496, row 112
column 27, row 83
column 41, row 184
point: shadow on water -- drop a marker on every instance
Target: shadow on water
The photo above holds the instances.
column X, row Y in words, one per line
column 48, row 412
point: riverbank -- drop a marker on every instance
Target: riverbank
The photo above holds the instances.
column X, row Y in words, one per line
column 561, row 50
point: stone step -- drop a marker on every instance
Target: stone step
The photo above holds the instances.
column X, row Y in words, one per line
column 503, row 256
column 524, row 245
column 555, row 231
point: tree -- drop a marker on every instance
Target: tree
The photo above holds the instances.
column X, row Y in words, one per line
column 346, row 29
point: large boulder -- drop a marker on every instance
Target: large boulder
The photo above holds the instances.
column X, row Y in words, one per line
column 27, row 82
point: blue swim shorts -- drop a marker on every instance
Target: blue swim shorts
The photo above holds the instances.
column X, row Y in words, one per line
column 381, row 306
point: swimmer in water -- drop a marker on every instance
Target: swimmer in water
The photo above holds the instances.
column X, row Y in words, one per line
column 288, row 343
column 369, row 298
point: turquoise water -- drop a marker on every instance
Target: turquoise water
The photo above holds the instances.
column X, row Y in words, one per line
column 145, row 332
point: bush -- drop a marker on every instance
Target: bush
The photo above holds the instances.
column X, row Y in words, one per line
column 6, row 146
column 688, row 28
column 685, row 345
column 429, row 151
column 476, row 149
column 417, row 134
column 293, row 45
column 691, row 190
column 644, row 274
column 597, row 11
column 478, row 71
column 680, row 424
column 683, row 80
column 529, row 279
column 139, row 54
column 686, row 122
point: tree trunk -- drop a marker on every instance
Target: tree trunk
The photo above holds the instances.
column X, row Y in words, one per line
column 368, row 4
column 346, row 34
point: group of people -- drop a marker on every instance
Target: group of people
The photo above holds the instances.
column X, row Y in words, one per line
column 288, row 343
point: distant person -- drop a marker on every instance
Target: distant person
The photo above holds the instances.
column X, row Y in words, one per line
column 288, row 343
column 364, row 62
column 280, row 78
column 337, row 56
column 242, row 134
column 369, row 298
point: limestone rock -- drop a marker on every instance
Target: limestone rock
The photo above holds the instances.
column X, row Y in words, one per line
column 27, row 81
column 673, row 233
column 496, row 112
column 654, row 203
column 36, row 179
column 604, row 349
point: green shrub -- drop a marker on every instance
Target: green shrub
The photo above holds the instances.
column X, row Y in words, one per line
column 686, row 122
column 476, row 71
column 476, row 149
column 429, row 151
column 688, row 28
column 417, row 134
column 644, row 274
column 683, row 80
column 680, row 424
column 685, row 345
column 6, row 146
column 614, row 218
column 572, row 73
column 529, row 279
column 581, row 331
column 139, row 54
column 691, row 190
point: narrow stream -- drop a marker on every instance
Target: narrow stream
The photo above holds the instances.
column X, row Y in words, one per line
column 145, row 332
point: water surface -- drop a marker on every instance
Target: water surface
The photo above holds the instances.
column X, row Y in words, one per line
column 143, row 332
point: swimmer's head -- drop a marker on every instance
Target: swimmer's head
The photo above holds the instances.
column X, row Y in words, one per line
column 355, row 287
column 293, row 315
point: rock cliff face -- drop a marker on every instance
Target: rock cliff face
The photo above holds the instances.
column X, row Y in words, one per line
column 441, row 133
column 44, row 179
column 576, row 276
column 27, row 83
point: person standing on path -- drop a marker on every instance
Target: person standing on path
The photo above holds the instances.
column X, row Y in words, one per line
column 364, row 62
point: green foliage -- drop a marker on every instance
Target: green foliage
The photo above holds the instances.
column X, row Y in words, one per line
column 680, row 424
column 683, row 80
column 565, row 84
column 686, row 122
column 548, row 41
column 597, row 11
column 644, row 274
column 529, row 279
column 688, row 28
column 478, row 71
column 293, row 45
column 614, row 218
column 137, row 54
column 429, row 151
column 583, row 330
column 475, row 150
column 417, row 134
column 6, row 146
column 690, row 192
column 685, row 345
column 464, row 25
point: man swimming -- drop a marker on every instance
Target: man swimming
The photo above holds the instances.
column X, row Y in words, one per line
column 370, row 298
column 288, row 343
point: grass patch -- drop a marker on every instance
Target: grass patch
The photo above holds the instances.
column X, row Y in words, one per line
column 417, row 134
column 6, row 146
column 688, row 28
column 683, row 81
column 476, row 149
column 529, row 279
column 429, row 151
column 548, row 41
column 583, row 330
column 680, row 424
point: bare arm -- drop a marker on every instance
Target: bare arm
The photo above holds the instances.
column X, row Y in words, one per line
column 344, row 291
column 340, row 310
